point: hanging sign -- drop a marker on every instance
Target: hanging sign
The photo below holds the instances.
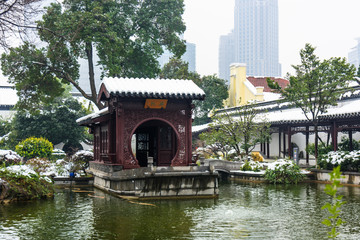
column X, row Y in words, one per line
column 155, row 103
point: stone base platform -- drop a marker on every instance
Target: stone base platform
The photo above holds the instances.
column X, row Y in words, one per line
column 156, row 182
column 78, row 181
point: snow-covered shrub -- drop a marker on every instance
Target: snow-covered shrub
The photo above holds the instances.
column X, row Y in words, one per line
column 33, row 147
column 62, row 168
column 24, row 183
column 348, row 161
column 81, row 159
column 58, row 154
column 39, row 165
column 254, row 166
column 283, row 171
column 9, row 157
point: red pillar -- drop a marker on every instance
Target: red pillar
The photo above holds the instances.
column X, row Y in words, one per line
column 334, row 136
column 284, row 144
column 119, row 135
column 279, row 142
column 307, row 143
column 289, row 141
column 188, row 146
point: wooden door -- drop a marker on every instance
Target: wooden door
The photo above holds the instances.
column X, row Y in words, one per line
column 166, row 143
column 145, row 145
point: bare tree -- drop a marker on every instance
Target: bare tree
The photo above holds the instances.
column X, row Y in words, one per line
column 16, row 19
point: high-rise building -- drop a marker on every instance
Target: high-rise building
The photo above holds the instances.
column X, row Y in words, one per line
column 354, row 55
column 189, row 57
column 255, row 39
column 226, row 55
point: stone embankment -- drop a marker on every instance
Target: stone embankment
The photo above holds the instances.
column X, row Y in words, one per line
column 156, row 182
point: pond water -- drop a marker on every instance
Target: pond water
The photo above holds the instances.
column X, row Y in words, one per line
column 242, row 211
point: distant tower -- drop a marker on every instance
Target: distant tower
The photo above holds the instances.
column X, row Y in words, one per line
column 354, row 55
column 226, row 55
column 189, row 57
column 255, row 37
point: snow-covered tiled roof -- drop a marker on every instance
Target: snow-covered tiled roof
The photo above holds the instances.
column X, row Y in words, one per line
column 270, row 96
column 154, row 88
column 350, row 107
column 88, row 117
column 200, row 128
column 344, row 109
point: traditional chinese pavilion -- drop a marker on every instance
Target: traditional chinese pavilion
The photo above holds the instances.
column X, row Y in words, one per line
column 144, row 118
column 147, row 123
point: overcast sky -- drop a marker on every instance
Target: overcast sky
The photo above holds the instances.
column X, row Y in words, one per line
column 332, row 26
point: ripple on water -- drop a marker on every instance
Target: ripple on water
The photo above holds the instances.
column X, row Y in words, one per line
column 243, row 211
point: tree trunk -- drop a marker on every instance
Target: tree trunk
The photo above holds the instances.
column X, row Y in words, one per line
column 89, row 54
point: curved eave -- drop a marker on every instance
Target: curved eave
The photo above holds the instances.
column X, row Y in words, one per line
column 92, row 118
column 283, row 122
column 324, row 118
column 340, row 116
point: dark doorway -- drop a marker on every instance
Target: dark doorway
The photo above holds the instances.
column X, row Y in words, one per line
column 155, row 139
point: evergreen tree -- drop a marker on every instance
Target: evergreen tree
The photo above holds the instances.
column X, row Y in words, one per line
column 127, row 36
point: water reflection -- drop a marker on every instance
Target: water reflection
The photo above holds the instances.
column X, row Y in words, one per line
column 243, row 211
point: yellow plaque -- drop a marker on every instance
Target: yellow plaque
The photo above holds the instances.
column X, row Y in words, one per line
column 155, row 103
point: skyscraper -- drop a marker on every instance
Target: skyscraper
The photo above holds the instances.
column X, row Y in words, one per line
column 189, row 57
column 226, row 56
column 354, row 55
column 255, row 39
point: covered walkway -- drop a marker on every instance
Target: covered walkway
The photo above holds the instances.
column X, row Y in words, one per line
column 290, row 128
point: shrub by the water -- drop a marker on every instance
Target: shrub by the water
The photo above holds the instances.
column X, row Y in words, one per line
column 251, row 166
column 284, row 171
column 348, row 161
column 19, row 182
column 333, row 221
column 34, row 147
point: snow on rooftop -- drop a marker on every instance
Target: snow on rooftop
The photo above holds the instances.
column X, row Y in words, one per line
column 290, row 114
column 281, row 112
column 153, row 87
column 344, row 107
column 270, row 96
column 93, row 115
column 199, row 128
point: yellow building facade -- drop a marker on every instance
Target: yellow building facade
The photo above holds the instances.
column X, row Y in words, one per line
column 241, row 91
